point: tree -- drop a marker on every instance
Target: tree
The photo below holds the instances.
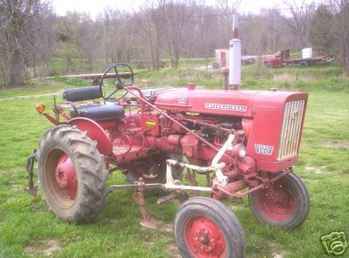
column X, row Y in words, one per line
column 14, row 15
column 321, row 33
column 151, row 30
column 68, row 40
column 21, row 32
column 41, row 39
column 341, row 31
column 89, row 37
column 175, row 16
column 299, row 23
column 117, row 36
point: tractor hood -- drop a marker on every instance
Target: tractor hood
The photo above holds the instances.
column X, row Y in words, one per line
column 242, row 103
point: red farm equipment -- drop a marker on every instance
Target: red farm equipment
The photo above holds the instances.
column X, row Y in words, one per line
column 244, row 143
column 283, row 58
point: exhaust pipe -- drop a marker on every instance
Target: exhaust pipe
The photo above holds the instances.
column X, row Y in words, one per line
column 235, row 57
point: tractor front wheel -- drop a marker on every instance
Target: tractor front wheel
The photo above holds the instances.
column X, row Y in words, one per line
column 205, row 228
column 284, row 204
column 71, row 174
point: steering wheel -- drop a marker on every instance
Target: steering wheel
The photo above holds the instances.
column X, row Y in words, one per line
column 121, row 80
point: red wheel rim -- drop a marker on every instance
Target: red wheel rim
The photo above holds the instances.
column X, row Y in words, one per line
column 204, row 238
column 277, row 203
column 65, row 176
column 61, row 179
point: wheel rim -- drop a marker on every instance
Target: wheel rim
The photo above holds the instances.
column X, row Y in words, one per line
column 61, row 179
column 277, row 203
column 204, row 238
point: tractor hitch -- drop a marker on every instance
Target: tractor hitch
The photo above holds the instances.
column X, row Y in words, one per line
column 32, row 189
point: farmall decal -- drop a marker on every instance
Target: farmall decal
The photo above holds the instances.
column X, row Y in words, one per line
column 226, row 107
column 264, row 149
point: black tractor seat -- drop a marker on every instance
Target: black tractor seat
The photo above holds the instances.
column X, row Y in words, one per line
column 83, row 93
column 100, row 112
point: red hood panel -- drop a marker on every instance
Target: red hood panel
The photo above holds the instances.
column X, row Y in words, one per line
column 242, row 103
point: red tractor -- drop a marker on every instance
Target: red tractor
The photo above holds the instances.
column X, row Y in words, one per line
column 243, row 143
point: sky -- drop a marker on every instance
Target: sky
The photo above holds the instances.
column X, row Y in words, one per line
column 95, row 7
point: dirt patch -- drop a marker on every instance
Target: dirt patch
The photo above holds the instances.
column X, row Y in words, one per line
column 205, row 68
column 158, row 225
column 277, row 252
column 285, row 77
column 173, row 251
column 43, row 247
column 316, row 170
column 342, row 145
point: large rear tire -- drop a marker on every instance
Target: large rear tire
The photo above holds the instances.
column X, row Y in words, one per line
column 72, row 174
column 205, row 228
column 284, row 204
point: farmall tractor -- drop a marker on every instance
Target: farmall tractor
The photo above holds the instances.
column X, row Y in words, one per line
column 244, row 143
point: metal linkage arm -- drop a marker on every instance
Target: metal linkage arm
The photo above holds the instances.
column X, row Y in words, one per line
column 217, row 167
column 228, row 145
column 172, row 184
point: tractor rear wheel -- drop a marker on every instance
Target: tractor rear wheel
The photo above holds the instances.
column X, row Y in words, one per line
column 205, row 228
column 284, row 204
column 71, row 174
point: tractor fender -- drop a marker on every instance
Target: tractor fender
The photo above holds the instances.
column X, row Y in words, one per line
column 95, row 132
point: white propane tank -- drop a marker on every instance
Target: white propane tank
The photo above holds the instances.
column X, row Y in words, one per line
column 234, row 63
column 235, row 57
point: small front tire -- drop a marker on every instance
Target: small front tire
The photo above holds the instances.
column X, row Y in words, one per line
column 284, row 204
column 205, row 228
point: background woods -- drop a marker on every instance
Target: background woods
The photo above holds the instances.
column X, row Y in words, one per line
column 34, row 41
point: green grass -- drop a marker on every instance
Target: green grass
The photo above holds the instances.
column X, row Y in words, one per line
column 26, row 224
column 42, row 87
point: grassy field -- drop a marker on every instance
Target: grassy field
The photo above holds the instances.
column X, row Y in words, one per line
column 28, row 229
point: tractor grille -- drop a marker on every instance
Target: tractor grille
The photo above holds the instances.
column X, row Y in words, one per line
column 291, row 129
